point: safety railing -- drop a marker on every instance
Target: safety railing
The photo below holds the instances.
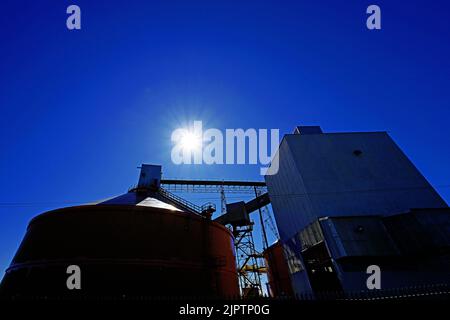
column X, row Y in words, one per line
column 207, row 208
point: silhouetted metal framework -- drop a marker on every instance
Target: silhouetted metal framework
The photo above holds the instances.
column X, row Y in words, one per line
column 223, row 201
column 205, row 210
column 213, row 186
column 250, row 263
column 265, row 216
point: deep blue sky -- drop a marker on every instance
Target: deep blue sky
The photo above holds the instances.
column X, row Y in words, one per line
column 80, row 110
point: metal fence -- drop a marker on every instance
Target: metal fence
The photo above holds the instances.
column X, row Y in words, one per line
column 439, row 292
column 428, row 292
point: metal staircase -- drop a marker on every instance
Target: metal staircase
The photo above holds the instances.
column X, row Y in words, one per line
column 205, row 210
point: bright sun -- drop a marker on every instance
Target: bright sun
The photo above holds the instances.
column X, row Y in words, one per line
column 190, row 141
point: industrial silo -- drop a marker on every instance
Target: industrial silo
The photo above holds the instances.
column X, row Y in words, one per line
column 143, row 243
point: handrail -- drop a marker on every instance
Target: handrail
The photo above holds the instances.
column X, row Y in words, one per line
column 208, row 207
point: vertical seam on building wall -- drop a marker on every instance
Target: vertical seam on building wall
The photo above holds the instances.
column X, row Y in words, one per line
column 309, row 202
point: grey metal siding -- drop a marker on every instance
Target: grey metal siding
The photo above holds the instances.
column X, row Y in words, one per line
column 288, row 195
column 335, row 181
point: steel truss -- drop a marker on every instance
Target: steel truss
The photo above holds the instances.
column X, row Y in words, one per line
column 249, row 262
column 211, row 186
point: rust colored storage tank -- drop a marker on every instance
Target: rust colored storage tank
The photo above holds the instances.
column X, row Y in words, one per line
column 278, row 273
column 131, row 250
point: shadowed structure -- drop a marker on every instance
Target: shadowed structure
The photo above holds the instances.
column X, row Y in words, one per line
column 124, row 250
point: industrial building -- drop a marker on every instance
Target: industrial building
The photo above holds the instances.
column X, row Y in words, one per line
column 341, row 201
column 345, row 201
column 146, row 242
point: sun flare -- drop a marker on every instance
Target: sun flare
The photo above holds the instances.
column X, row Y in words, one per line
column 190, row 141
